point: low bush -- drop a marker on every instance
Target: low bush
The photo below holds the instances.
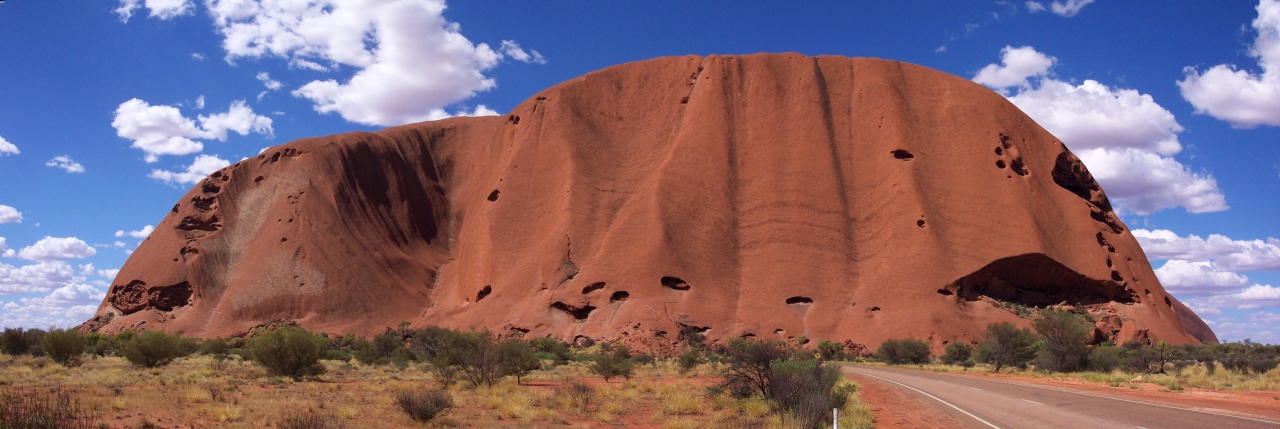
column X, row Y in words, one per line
column 64, row 346
column 1104, row 358
column 423, row 406
column 310, row 420
column 831, row 350
column 689, row 359
column 214, row 346
column 806, row 390
column 57, row 408
column 614, row 363
column 151, row 349
column 750, row 365
column 956, row 353
column 379, row 350
column 904, row 351
column 517, row 358
column 290, row 352
column 1064, row 343
column 1005, row 345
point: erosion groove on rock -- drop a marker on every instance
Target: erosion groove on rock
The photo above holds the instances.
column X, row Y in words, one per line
column 758, row 196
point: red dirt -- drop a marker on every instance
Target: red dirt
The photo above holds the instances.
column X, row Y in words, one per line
column 895, row 408
column 766, row 196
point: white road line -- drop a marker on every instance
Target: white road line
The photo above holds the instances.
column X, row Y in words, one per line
column 1128, row 400
column 974, row 388
column 1033, row 402
column 934, row 398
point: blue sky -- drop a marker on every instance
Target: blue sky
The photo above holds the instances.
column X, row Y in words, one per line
column 111, row 109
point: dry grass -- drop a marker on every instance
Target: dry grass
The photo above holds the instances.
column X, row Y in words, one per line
column 1191, row 376
column 201, row 392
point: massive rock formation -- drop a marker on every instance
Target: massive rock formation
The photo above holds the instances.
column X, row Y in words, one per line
column 766, row 196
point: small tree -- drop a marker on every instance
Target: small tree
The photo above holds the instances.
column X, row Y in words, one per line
column 516, row 358
column 382, row 346
column 1004, row 344
column 806, row 389
column 14, row 341
column 830, row 350
column 1065, row 346
column 904, row 351
column 154, row 348
column 614, row 363
column 751, row 365
column 476, row 355
column 289, row 351
column 957, row 352
column 64, row 346
column 689, row 359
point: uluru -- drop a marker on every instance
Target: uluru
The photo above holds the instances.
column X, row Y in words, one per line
column 768, row 196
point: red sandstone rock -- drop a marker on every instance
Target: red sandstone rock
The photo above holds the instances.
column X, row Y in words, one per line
column 765, row 196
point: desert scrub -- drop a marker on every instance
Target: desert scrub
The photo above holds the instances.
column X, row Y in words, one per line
column 423, row 406
column 151, row 349
column 290, row 352
column 310, row 420
column 64, row 346
column 58, row 408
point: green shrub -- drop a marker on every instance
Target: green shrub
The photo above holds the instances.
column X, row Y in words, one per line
column 214, row 346
column 64, row 346
column 559, row 350
column 904, row 351
column 1004, row 344
column 517, row 358
column 1065, row 343
column 614, row 363
column 806, row 389
column 382, row 346
column 338, row 355
column 423, row 406
column 689, row 359
column 289, row 351
column 16, row 341
column 55, row 408
column 831, row 350
column 956, row 353
column 750, row 366
column 1105, row 358
column 151, row 349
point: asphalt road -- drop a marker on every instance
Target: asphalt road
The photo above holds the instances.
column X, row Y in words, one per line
column 986, row 404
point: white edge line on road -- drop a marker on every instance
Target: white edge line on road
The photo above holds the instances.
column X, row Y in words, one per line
column 931, row 396
column 1125, row 400
column 1033, row 402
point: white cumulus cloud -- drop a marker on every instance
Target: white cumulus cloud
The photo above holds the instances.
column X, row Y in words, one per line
column 9, row 214
column 202, row 167
column 410, row 61
column 38, row 277
column 1017, row 65
column 7, row 148
column 66, row 163
column 1198, row 278
column 512, row 50
column 1068, row 8
column 66, row 306
column 5, row 251
column 145, row 231
column 1123, row 136
column 57, row 249
column 1236, row 255
column 1241, row 97
column 271, row 84
column 162, row 130
column 162, row 9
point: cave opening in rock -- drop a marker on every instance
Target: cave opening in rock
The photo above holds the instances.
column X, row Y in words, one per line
column 1035, row 280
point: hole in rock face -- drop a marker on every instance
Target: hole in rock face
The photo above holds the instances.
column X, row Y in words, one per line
column 1019, row 167
column 799, row 300
column 684, row 100
column 999, row 150
column 903, row 155
column 1000, row 163
column 1036, row 280
column 593, row 287
column 1109, row 263
column 778, row 331
column 210, row 188
column 579, row 313
column 1115, row 275
column 874, row 309
column 493, row 196
column 284, row 239
column 1168, row 302
column 258, row 179
column 920, row 223
column 675, row 283
column 484, row 292
column 621, row 295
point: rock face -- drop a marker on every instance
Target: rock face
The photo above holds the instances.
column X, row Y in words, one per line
column 765, row 196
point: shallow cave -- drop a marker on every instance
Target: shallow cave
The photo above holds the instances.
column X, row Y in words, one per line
column 592, row 287
column 799, row 300
column 484, row 292
column 675, row 283
column 579, row 313
column 621, row 295
column 903, row 155
column 1035, row 280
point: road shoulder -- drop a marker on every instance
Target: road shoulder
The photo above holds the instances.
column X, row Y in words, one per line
column 895, row 407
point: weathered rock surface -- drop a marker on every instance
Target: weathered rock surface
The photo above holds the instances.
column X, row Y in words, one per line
column 766, row 196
